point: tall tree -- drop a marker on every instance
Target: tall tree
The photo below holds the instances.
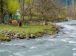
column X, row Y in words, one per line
column 29, row 4
column 22, row 4
column 47, row 8
column 2, row 11
column 12, row 6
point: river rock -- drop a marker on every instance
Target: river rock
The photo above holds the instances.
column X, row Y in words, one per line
column 21, row 36
column 28, row 36
column 32, row 36
column 17, row 35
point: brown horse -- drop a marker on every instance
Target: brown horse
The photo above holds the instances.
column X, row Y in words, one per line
column 16, row 22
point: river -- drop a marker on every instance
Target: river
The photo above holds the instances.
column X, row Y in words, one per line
column 63, row 45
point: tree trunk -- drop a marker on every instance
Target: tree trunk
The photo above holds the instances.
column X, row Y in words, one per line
column 22, row 9
column 1, row 11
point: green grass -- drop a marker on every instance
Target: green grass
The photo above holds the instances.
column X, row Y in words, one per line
column 26, row 29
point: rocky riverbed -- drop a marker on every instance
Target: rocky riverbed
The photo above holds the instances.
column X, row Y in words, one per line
column 9, row 35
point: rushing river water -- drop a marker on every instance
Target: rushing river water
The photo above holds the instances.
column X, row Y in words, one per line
column 63, row 45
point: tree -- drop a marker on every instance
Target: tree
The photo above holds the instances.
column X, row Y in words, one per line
column 22, row 3
column 29, row 4
column 46, row 8
column 43, row 9
column 2, row 11
column 49, row 9
column 12, row 6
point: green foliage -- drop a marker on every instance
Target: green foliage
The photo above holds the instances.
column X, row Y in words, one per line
column 28, row 1
column 12, row 5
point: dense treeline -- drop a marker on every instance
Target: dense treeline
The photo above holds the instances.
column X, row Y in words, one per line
column 43, row 10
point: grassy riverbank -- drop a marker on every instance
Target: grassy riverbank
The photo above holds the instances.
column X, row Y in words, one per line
column 26, row 29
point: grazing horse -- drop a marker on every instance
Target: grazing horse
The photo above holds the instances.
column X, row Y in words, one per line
column 16, row 22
